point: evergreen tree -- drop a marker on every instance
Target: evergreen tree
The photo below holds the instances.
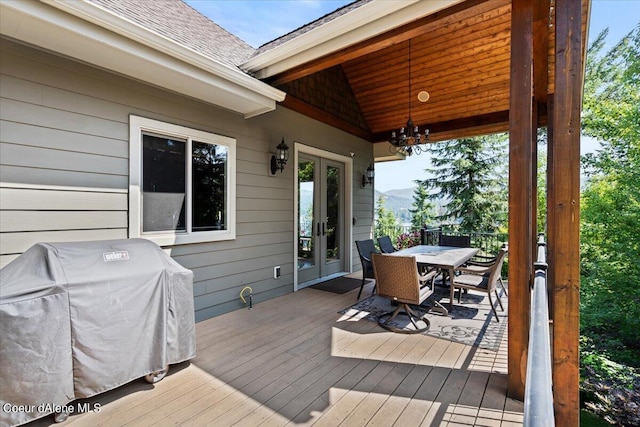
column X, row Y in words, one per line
column 422, row 212
column 470, row 173
column 386, row 223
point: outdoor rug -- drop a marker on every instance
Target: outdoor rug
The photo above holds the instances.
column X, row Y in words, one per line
column 339, row 285
column 470, row 323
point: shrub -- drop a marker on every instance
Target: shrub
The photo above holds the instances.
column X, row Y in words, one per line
column 408, row 240
column 609, row 389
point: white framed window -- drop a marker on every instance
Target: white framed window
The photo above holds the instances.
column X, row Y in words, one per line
column 181, row 183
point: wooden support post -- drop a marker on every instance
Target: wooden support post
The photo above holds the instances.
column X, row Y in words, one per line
column 520, row 192
column 564, row 211
column 550, row 203
column 534, row 184
column 541, row 9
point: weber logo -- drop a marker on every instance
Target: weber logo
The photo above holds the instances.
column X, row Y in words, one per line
column 115, row 256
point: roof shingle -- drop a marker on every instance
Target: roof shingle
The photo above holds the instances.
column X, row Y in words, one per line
column 181, row 23
column 310, row 26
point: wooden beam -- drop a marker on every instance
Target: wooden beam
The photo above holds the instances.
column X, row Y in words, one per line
column 309, row 110
column 541, row 50
column 534, row 182
column 564, row 233
column 500, row 117
column 521, row 131
column 429, row 23
column 550, row 204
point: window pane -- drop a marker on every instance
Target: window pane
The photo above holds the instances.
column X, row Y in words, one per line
column 333, row 213
column 163, row 184
column 209, row 170
column 306, row 252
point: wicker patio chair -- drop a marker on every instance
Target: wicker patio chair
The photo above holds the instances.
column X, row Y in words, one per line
column 365, row 249
column 386, row 246
column 482, row 281
column 397, row 278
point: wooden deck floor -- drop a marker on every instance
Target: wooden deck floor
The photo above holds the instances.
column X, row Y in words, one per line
column 294, row 360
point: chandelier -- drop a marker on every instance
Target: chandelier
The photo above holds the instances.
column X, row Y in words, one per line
column 409, row 140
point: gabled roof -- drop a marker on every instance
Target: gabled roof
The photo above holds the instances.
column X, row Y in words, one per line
column 458, row 51
column 310, row 26
column 166, row 44
column 460, row 54
column 181, row 23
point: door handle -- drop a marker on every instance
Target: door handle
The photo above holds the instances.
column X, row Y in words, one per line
column 323, row 230
column 318, row 230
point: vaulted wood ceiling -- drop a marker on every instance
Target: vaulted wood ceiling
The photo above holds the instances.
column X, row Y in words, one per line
column 460, row 56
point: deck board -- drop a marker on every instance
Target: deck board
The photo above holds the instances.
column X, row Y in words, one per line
column 294, row 360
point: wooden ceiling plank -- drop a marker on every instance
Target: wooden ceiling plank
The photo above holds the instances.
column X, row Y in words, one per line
column 482, row 40
column 475, row 121
column 435, row 42
column 436, row 64
column 428, row 78
column 448, row 100
column 460, row 81
column 476, row 106
column 432, row 22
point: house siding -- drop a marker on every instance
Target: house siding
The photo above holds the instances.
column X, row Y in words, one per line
column 65, row 162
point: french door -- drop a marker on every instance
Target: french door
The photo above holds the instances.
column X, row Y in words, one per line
column 321, row 228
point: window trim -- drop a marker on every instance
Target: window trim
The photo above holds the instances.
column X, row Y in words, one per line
column 138, row 125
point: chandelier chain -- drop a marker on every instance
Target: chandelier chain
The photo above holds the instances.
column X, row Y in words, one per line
column 409, row 140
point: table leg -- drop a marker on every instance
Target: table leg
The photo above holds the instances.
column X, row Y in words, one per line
column 451, row 289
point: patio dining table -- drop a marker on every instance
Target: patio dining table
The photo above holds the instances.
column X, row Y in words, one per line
column 447, row 258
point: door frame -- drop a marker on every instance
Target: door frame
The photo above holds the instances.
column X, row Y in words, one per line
column 348, row 204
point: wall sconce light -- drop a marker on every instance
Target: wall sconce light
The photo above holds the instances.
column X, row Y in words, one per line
column 367, row 178
column 279, row 159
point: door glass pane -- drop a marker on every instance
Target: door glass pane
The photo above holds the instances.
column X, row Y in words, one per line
column 306, row 207
column 208, row 164
column 333, row 213
column 163, row 184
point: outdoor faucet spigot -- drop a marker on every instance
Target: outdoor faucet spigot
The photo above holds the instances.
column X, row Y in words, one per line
column 250, row 296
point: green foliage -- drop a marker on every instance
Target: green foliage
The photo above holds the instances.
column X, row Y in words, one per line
column 422, row 212
column 587, row 419
column 542, row 182
column 408, row 240
column 610, row 233
column 385, row 220
column 610, row 214
column 608, row 389
column 471, row 174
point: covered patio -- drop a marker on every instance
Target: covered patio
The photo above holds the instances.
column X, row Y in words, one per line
column 294, row 360
column 489, row 65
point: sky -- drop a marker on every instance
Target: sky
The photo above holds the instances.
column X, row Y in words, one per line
column 260, row 21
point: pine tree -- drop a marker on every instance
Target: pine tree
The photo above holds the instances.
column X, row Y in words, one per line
column 386, row 223
column 470, row 174
column 422, row 212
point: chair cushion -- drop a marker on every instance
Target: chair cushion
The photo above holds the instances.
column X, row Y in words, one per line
column 473, row 269
column 472, row 281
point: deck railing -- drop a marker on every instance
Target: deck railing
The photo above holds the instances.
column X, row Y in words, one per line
column 538, row 394
column 488, row 243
